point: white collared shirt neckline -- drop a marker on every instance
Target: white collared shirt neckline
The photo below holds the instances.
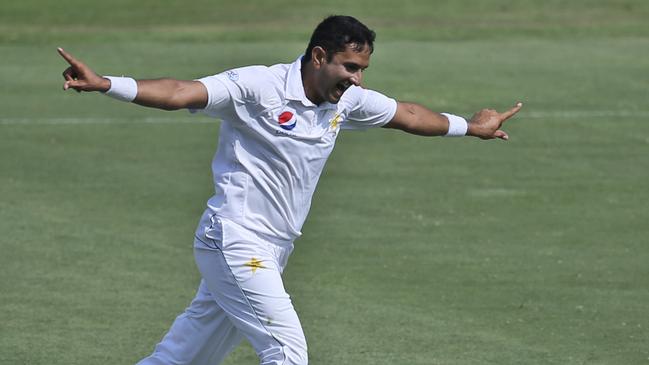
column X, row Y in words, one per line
column 294, row 89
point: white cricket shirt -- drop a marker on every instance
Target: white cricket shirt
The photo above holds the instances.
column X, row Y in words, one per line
column 274, row 142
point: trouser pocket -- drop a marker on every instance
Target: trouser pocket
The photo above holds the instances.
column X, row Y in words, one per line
column 213, row 233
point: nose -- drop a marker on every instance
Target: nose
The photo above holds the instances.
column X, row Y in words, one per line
column 356, row 78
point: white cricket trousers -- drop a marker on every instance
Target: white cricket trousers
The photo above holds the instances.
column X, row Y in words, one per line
column 241, row 295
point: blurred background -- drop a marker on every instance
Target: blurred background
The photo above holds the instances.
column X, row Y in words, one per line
column 416, row 251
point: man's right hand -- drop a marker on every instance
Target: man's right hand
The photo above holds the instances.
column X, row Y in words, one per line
column 80, row 77
column 486, row 123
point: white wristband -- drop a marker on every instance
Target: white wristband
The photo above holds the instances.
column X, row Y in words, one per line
column 122, row 88
column 457, row 126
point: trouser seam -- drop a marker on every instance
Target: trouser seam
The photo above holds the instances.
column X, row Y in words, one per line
column 251, row 306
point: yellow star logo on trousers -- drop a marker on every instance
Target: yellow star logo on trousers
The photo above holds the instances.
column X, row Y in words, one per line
column 254, row 264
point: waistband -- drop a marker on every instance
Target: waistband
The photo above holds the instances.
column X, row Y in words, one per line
column 209, row 219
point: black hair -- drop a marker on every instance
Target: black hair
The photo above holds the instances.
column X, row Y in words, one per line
column 335, row 32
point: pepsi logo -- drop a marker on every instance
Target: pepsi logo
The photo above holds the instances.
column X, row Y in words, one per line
column 287, row 120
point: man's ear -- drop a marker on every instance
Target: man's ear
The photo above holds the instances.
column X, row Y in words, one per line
column 318, row 56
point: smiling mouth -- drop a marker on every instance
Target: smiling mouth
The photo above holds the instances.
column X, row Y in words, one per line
column 342, row 86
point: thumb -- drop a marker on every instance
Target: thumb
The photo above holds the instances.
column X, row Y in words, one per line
column 73, row 84
column 501, row 134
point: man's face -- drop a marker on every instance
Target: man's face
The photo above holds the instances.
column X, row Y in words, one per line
column 344, row 69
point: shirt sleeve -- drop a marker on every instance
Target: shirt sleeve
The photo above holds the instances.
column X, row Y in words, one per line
column 230, row 92
column 219, row 98
column 372, row 109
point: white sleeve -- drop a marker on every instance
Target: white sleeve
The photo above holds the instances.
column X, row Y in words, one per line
column 372, row 109
column 218, row 96
column 230, row 90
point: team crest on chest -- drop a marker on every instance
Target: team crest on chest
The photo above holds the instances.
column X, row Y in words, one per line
column 335, row 121
column 287, row 120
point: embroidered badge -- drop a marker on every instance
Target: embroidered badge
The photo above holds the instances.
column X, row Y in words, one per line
column 232, row 75
column 333, row 124
column 254, row 264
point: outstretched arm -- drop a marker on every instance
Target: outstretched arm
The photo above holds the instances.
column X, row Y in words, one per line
column 167, row 94
column 416, row 119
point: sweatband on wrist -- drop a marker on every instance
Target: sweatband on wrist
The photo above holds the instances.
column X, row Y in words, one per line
column 122, row 88
column 457, row 126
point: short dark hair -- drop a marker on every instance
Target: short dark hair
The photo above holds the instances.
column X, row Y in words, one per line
column 335, row 32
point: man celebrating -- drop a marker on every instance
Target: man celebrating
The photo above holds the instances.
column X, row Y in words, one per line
column 279, row 125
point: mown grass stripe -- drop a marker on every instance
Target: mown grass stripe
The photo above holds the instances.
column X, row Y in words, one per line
column 560, row 114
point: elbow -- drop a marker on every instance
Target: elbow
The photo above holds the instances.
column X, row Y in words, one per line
column 174, row 102
column 411, row 118
column 170, row 107
column 183, row 97
column 175, row 97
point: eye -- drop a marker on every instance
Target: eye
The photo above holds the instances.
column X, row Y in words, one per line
column 352, row 68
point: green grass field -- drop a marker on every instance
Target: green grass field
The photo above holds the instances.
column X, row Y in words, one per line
column 416, row 251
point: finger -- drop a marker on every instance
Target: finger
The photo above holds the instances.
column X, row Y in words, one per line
column 501, row 134
column 68, row 57
column 508, row 114
column 73, row 84
column 68, row 74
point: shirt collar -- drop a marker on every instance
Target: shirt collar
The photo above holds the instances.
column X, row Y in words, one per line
column 295, row 89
